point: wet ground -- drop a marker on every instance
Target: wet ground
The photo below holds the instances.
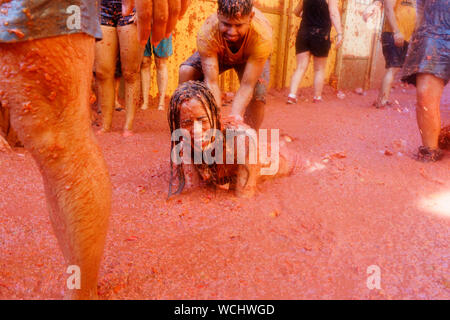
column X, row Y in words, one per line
column 357, row 199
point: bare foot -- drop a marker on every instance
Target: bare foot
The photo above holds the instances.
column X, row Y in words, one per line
column 444, row 138
column 127, row 133
column 161, row 107
column 144, row 106
column 246, row 192
column 103, row 131
column 426, row 154
column 381, row 104
column 4, row 145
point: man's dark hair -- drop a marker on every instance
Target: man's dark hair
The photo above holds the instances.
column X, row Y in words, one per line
column 234, row 8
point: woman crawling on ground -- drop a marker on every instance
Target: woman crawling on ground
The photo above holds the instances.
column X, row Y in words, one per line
column 226, row 163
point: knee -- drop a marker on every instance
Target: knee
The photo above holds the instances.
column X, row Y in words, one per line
column 259, row 94
column 146, row 62
column 161, row 63
column 130, row 75
column 186, row 73
column 102, row 73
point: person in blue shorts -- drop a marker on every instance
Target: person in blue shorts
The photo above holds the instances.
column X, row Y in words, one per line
column 162, row 52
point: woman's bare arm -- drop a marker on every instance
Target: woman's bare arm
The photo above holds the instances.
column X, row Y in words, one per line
column 298, row 10
column 335, row 17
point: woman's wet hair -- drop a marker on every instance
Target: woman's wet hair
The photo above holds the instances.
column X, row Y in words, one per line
column 185, row 92
column 235, row 8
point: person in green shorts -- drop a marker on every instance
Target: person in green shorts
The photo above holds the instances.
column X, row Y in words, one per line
column 162, row 53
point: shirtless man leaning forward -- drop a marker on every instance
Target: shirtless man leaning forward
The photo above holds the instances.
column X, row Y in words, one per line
column 237, row 37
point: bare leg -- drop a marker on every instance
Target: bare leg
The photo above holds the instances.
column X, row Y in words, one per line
column 319, row 76
column 131, row 53
column 48, row 99
column 297, row 77
column 162, row 77
column 4, row 145
column 254, row 114
column 247, row 177
column 386, row 85
column 429, row 93
column 117, row 104
column 105, row 65
column 145, row 81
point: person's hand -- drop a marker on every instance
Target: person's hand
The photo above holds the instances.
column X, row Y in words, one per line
column 155, row 17
column 370, row 10
column 235, row 117
column 399, row 40
column 339, row 39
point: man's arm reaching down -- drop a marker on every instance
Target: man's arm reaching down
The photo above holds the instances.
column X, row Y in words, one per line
column 210, row 65
column 252, row 73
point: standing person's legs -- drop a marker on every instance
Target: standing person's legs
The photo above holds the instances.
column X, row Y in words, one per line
column 428, row 67
column 145, row 81
column 131, row 57
column 146, row 74
column 386, row 85
column 395, row 58
column 162, row 77
column 297, row 77
column 105, row 65
column 429, row 93
column 117, row 104
column 319, row 76
column 48, row 100
column 117, row 76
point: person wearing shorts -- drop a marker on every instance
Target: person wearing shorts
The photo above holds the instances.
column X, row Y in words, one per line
column 237, row 37
column 400, row 19
column 120, row 38
column 162, row 52
column 49, row 48
column 427, row 66
column 313, row 38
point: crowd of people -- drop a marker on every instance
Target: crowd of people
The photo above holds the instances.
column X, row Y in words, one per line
column 46, row 67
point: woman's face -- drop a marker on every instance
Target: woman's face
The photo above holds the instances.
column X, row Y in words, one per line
column 192, row 111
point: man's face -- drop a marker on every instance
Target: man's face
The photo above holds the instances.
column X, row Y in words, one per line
column 192, row 111
column 234, row 29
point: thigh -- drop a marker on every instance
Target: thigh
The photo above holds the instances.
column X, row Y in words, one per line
column 320, row 45
column 164, row 48
column 46, row 86
column 191, row 69
column 106, row 52
column 301, row 42
column 131, row 52
column 303, row 58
